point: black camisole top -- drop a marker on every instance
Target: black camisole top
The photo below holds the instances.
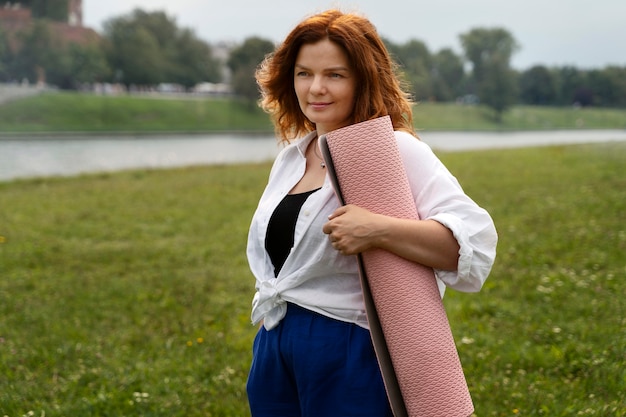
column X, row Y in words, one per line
column 279, row 238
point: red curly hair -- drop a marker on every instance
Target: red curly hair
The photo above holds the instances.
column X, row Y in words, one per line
column 379, row 92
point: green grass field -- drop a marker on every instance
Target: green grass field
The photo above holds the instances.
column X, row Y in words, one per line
column 68, row 112
column 72, row 112
column 128, row 294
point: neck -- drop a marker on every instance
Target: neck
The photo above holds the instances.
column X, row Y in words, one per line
column 316, row 152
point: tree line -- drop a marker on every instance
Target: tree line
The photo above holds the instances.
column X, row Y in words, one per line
column 55, row 10
column 144, row 49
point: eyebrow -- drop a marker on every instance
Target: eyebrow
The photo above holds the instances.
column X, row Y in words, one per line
column 338, row 68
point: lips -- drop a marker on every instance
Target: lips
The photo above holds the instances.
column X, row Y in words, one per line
column 319, row 105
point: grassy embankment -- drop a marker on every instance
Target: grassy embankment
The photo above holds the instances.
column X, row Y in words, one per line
column 129, row 293
column 85, row 112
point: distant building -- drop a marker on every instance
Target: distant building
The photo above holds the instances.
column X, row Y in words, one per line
column 75, row 13
column 221, row 51
column 74, row 10
column 15, row 18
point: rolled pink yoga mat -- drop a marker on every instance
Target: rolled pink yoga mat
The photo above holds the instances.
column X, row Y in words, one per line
column 410, row 330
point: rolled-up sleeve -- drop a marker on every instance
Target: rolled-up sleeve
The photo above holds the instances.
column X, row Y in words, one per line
column 477, row 252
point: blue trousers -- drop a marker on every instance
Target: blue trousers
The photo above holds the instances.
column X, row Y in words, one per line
column 313, row 366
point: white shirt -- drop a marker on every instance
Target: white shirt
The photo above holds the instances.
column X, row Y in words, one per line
column 315, row 276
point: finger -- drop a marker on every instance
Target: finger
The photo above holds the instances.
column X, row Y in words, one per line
column 341, row 210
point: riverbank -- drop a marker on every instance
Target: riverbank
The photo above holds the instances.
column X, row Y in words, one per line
column 89, row 113
column 62, row 154
column 11, row 92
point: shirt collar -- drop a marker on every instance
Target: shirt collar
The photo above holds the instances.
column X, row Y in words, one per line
column 303, row 143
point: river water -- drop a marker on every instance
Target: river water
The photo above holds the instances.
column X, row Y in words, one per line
column 58, row 155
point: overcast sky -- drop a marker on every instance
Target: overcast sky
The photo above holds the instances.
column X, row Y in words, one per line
column 583, row 33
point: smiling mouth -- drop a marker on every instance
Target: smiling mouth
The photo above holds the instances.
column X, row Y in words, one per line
column 319, row 105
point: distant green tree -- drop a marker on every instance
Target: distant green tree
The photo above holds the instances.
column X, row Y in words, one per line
column 500, row 92
column 133, row 53
column 48, row 9
column 447, row 75
column 39, row 53
column 617, row 77
column 568, row 81
column 89, row 64
column 4, row 56
column 608, row 86
column 195, row 62
column 243, row 61
column 78, row 65
column 537, row 86
column 44, row 57
column 148, row 48
column 415, row 61
column 490, row 51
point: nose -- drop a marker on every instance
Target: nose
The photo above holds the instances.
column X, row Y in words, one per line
column 317, row 85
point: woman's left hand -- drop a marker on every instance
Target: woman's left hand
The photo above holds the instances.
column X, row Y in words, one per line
column 352, row 229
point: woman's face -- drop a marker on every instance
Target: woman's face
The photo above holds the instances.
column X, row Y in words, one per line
column 325, row 85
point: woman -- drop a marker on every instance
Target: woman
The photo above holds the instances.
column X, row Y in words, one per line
column 313, row 355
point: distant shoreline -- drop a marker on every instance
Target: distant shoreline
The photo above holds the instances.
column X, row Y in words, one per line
column 71, row 155
column 75, row 113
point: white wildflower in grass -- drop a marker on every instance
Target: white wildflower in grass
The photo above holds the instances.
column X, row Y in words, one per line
column 224, row 375
column 140, row 397
column 582, row 284
column 544, row 290
column 467, row 340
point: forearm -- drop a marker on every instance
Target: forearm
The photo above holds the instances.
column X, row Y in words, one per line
column 423, row 241
column 352, row 230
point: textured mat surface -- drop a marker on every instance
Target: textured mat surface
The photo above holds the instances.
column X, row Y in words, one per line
column 410, row 329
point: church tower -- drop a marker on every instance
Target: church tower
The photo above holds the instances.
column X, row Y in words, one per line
column 75, row 12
